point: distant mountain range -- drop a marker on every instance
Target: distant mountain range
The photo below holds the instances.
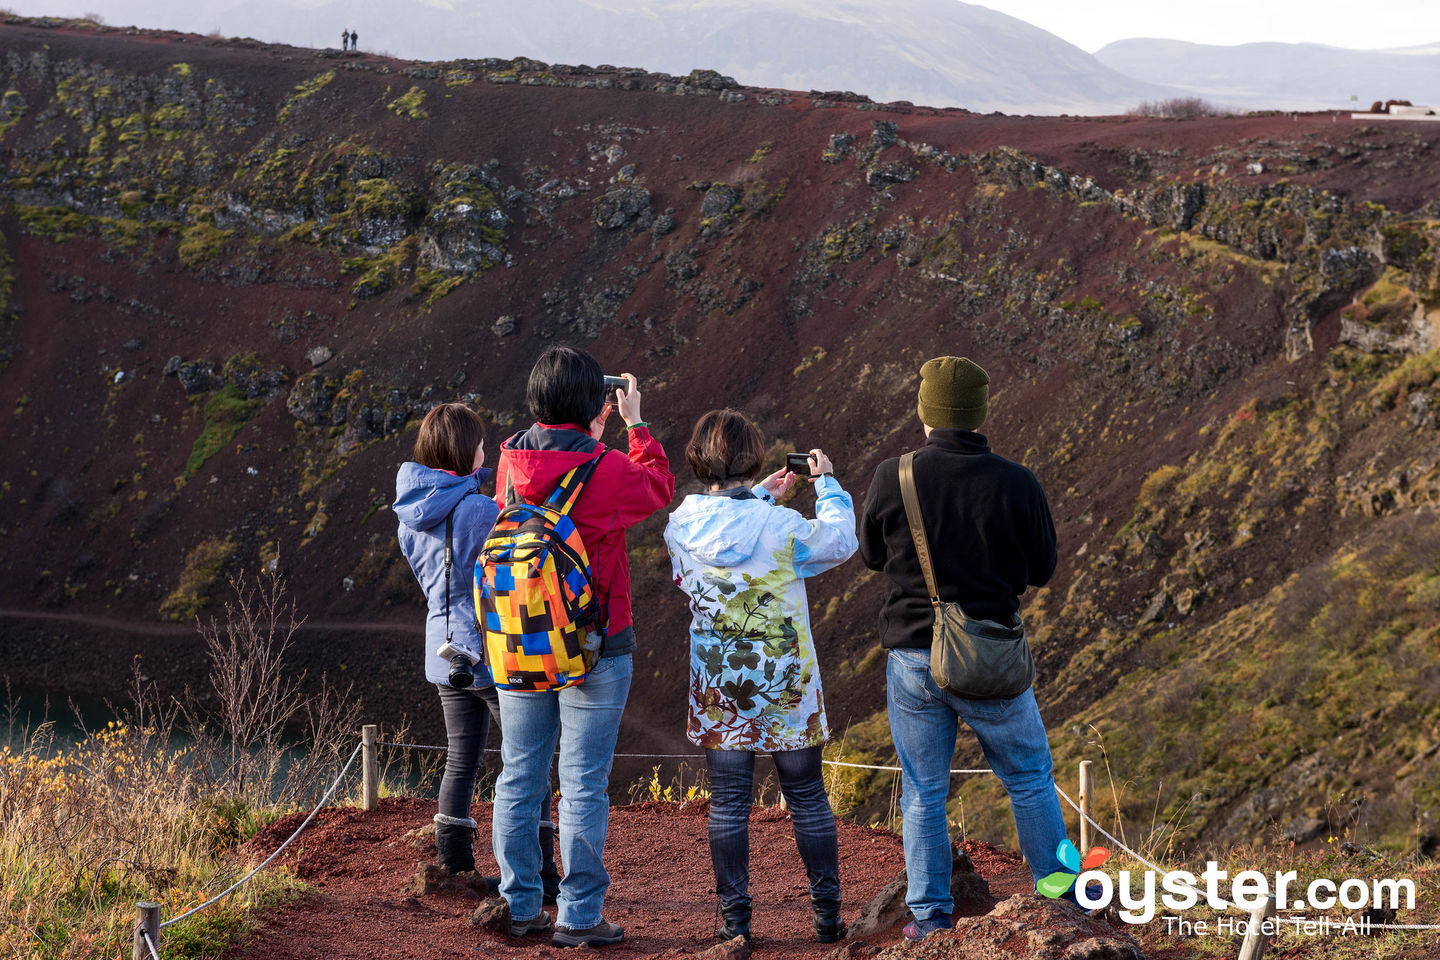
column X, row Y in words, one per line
column 935, row 52
column 1294, row 76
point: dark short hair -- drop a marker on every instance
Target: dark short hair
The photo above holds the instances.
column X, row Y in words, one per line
column 448, row 437
column 566, row 386
column 725, row 446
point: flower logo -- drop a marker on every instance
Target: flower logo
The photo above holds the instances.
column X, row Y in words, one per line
column 1059, row 883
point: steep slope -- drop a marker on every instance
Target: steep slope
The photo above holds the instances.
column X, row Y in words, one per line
column 238, row 274
column 1281, row 76
column 938, row 52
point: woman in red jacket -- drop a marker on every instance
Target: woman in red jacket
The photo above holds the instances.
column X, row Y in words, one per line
column 566, row 395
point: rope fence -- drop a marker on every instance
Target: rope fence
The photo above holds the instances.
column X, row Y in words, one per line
column 149, row 925
column 147, row 932
column 662, row 756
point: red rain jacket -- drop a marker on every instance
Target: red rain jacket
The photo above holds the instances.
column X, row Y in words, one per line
column 622, row 492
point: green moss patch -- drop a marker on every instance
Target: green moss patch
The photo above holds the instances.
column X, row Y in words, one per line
column 303, row 92
column 380, row 273
column 1415, row 373
column 59, row 224
column 12, row 108
column 201, row 242
column 408, row 104
column 56, row 224
column 434, row 285
column 203, row 566
column 226, row 411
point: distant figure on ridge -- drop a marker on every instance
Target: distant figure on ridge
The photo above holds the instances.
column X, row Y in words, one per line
column 354, row 40
column 345, row 39
column 960, row 533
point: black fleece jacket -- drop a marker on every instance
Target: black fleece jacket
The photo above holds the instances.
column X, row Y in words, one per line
column 989, row 527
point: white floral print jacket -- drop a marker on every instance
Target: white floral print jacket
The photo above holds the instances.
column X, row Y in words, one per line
column 754, row 678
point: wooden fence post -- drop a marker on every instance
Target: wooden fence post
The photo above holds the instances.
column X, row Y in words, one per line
column 1087, row 788
column 147, row 920
column 369, row 769
column 1257, row 937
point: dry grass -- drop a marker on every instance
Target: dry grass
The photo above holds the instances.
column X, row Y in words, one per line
column 152, row 806
column 89, row 830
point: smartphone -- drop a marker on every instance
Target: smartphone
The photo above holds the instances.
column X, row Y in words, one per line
column 798, row 463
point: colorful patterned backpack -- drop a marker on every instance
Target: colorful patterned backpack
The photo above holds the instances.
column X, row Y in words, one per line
column 534, row 601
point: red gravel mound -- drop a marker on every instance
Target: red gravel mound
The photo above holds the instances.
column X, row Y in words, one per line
column 662, row 890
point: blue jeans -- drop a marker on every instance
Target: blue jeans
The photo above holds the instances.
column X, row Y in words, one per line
column 732, row 781
column 585, row 719
column 923, row 725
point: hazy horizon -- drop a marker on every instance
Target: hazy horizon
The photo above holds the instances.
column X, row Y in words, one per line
column 1389, row 25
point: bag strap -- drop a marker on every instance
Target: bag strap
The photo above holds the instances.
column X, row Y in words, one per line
column 573, row 483
column 917, row 524
column 450, row 560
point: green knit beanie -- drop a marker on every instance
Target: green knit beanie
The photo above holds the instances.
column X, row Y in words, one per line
column 954, row 394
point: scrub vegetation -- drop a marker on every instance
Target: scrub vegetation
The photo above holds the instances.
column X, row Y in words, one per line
column 158, row 804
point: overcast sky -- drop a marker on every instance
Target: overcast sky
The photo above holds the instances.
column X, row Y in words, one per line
column 1372, row 25
column 1090, row 24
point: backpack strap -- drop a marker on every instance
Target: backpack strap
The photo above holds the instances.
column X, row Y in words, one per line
column 450, row 559
column 510, row 490
column 917, row 524
column 573, row 483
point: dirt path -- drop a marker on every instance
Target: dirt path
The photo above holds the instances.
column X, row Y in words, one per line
column 359, row 866
column 156, row 629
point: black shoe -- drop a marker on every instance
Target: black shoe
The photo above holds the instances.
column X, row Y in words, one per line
column 736, row 917
column 597, row 936
column 828, row 925
column 462, row 672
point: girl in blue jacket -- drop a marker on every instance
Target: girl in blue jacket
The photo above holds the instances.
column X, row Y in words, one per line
column 443, row 483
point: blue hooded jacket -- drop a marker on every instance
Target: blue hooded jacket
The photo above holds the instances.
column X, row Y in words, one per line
column 423, row 498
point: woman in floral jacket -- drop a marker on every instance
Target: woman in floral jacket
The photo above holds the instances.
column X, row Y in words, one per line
column 754, row 679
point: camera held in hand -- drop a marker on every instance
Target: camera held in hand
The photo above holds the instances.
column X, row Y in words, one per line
column 798, row 463
column 611, row 385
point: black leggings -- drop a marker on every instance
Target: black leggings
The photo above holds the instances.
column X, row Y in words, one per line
column 468, row 714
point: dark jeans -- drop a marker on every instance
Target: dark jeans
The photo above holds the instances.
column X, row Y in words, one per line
column 732, row 780
column 468, row 714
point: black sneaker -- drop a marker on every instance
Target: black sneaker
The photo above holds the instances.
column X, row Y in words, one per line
column 462, row 672
column 596, row 936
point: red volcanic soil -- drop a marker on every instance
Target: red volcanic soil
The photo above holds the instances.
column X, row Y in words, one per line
column 662, row 890
column 801, row 310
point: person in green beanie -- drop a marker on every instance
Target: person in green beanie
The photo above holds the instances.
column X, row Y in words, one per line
column 990, row 537
column 954, row 394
